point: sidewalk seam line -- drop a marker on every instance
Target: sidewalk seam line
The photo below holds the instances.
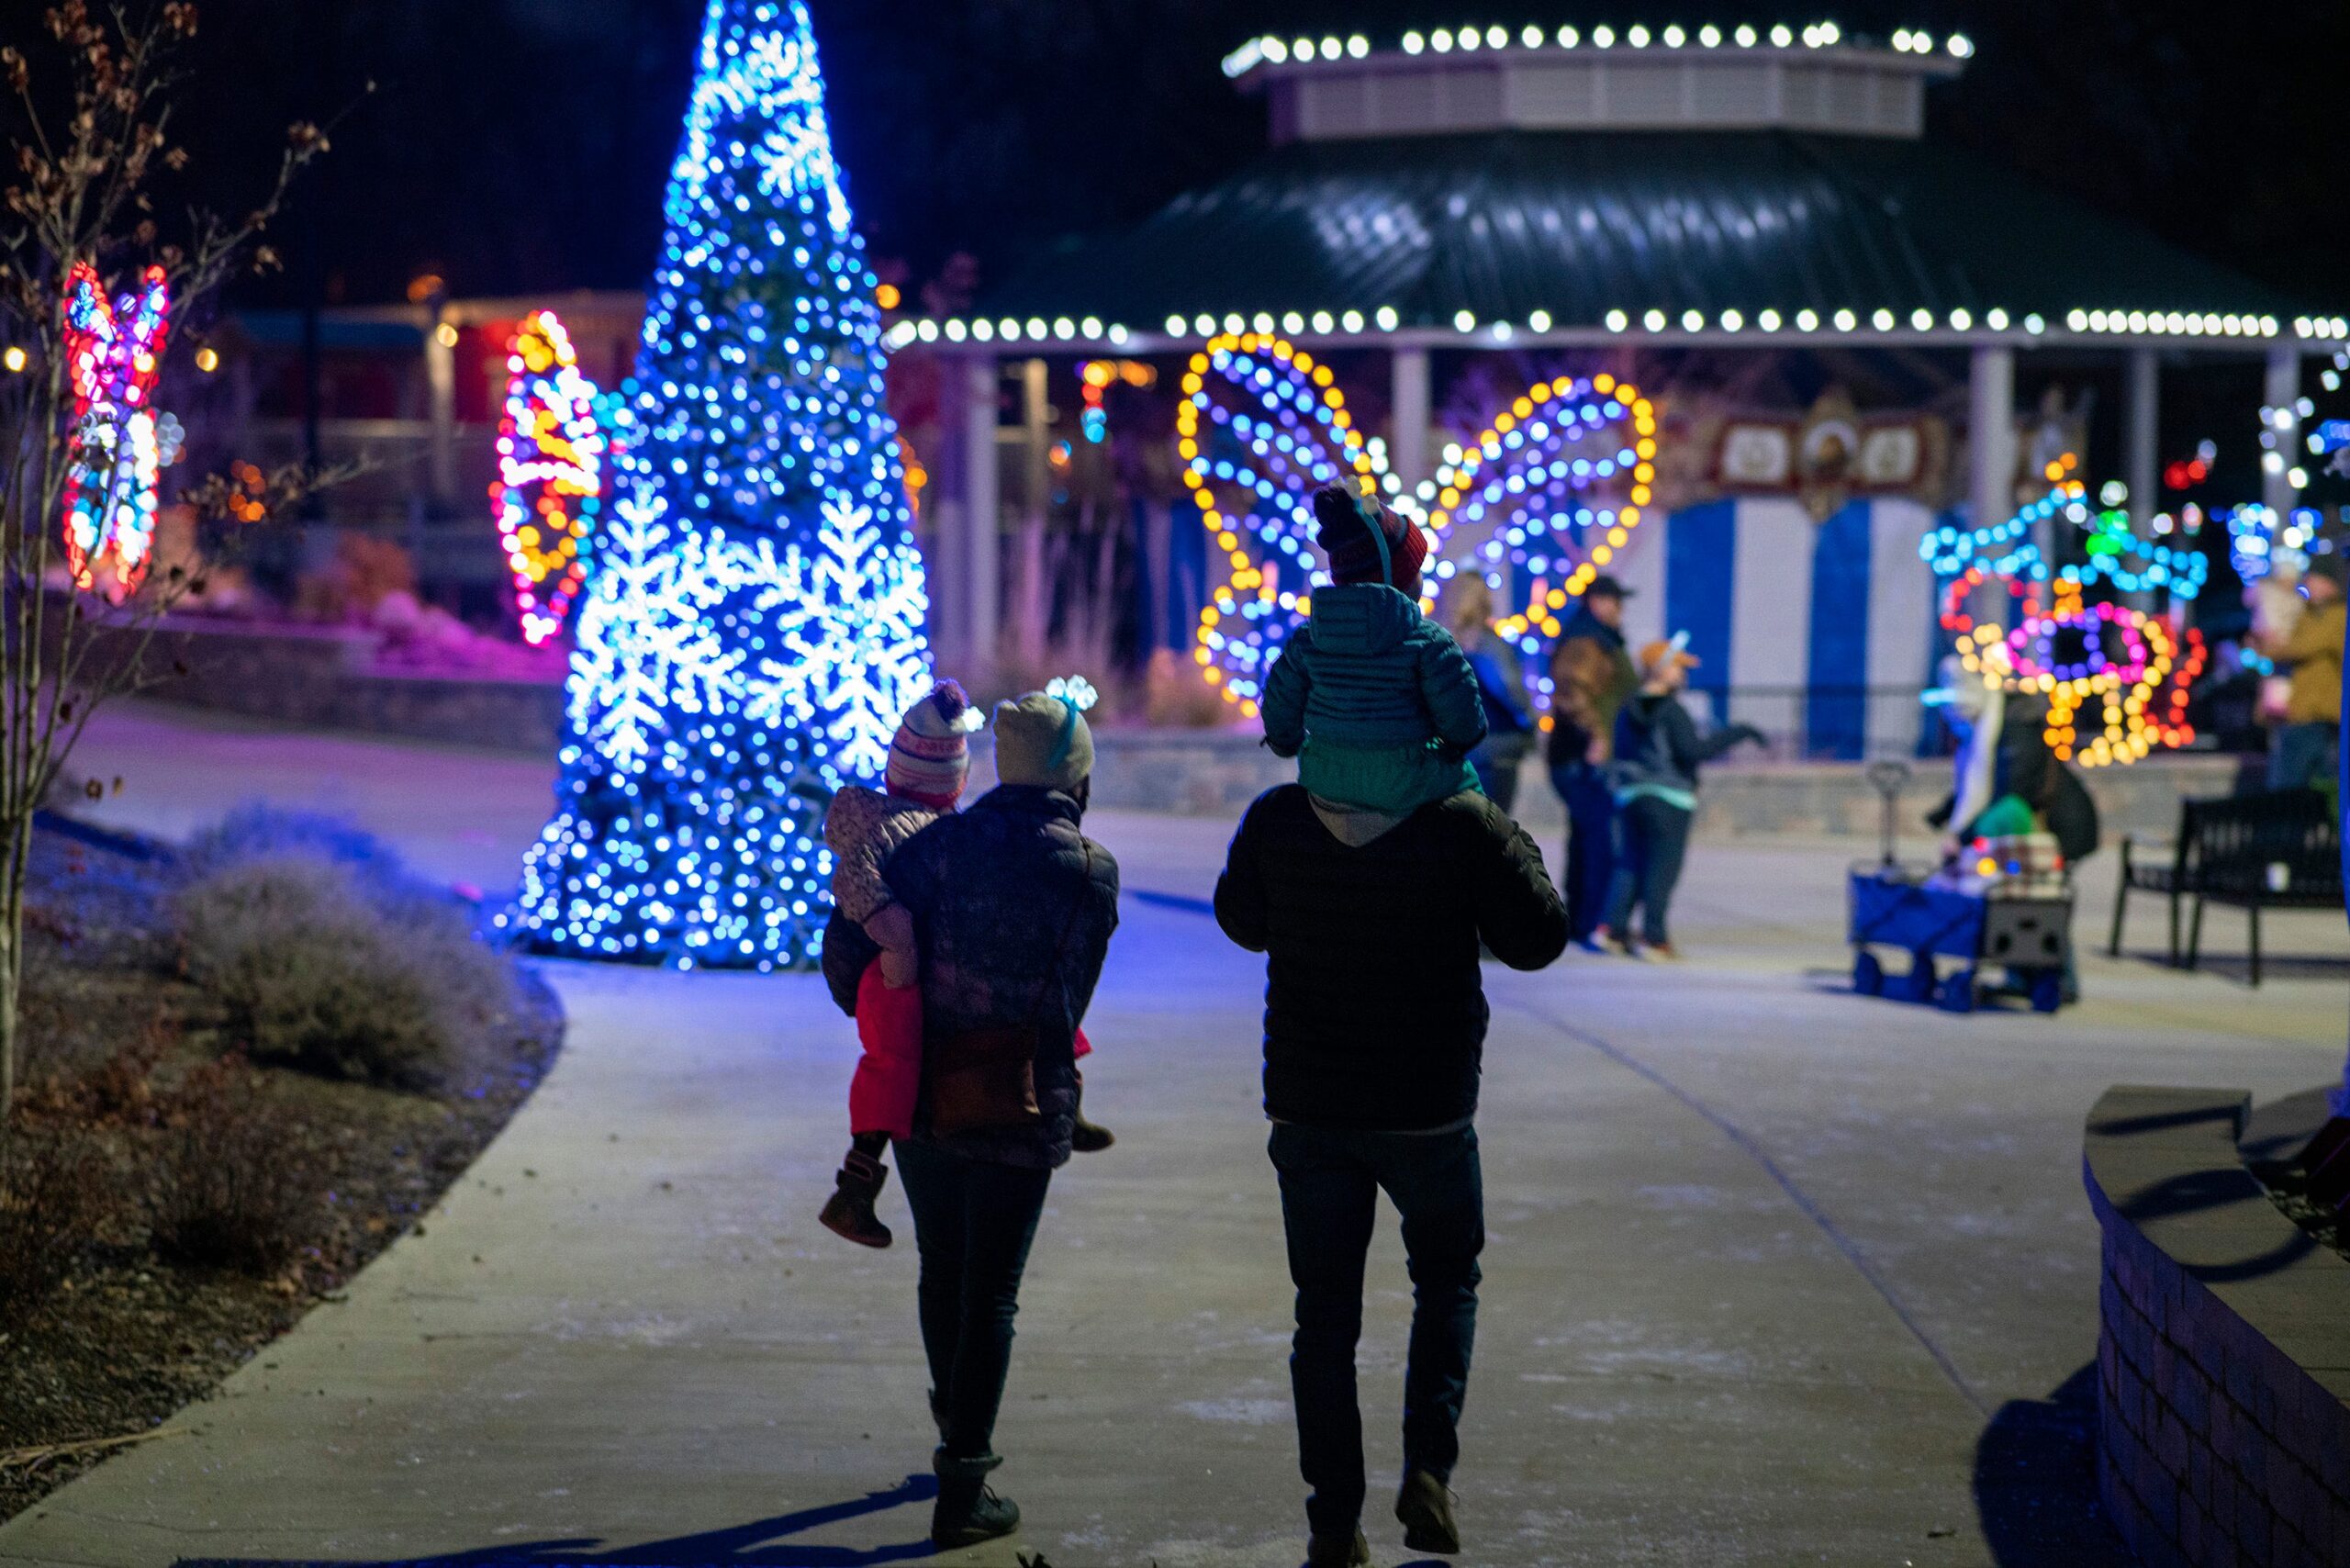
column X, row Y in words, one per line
column 1796, row 1195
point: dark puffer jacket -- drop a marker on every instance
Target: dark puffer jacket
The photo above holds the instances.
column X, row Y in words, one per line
column 1374, row 1006
column 1370, row 670
column 1013, row 908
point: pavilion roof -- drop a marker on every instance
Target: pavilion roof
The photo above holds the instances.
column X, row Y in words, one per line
column 1586, row 231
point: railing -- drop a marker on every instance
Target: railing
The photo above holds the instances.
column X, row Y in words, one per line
column 390, row 498
column 1829, row 723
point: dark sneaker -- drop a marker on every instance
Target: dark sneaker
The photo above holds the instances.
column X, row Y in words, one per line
column 1424, row 1505
column 1086, row 1138
column 968, row 1521
column 849, row 1211
column 968, row 1511
column 1337, row 1551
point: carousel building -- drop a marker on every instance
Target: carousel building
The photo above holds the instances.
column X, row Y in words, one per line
column 1705, row 310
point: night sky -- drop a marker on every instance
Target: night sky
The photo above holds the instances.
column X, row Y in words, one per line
column 520, row 146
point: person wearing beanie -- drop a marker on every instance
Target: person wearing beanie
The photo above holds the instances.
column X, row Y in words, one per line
column 930, row 759
column 1015, row 907
column 1042, row 742
column 1656, row 756
column 1377, row 701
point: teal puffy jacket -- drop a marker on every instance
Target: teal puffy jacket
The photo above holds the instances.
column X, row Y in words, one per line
column 1367, row 669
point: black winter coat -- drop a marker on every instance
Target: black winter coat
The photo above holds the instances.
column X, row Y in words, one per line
column 1013, row 908
column 1375, row 1009
column 1657, row 742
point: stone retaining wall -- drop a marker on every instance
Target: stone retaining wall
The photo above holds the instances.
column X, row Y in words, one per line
column 2224, row 1349
column 327, row 678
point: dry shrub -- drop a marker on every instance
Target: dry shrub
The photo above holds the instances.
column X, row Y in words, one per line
column 1177, row 696
column 365, row 569
column 56, row 1195
column 257, row 830
column 115, row 1094
column 234, row 1181
column 312, row 966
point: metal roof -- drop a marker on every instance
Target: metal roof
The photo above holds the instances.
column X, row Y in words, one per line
column 1589, row 230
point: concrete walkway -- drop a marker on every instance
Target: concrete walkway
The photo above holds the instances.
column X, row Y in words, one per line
column 1777, row 1274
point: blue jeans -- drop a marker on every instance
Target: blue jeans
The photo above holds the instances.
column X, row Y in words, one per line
column 1330, row 1184
column 973, row 1225
column 2300, row 756
column 1591, row 845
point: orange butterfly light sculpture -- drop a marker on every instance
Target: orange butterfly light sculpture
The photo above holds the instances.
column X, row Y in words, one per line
column 552, row 455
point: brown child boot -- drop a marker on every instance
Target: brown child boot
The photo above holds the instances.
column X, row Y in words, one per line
column 849, row 1211
column 1085, row 1136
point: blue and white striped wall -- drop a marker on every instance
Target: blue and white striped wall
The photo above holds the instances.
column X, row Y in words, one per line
column 1796, row 621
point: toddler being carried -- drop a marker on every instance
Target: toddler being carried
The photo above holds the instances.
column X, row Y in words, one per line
column 1378, row 702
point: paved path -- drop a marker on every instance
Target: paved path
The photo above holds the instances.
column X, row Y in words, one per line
column 1777, row 1274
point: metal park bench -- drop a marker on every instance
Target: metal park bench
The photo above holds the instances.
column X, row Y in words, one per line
column 2276, row 850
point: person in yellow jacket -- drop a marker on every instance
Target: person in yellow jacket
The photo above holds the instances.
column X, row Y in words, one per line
column 2302, row 751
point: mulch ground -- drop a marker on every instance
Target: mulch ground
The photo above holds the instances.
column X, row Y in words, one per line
column 128, row 1341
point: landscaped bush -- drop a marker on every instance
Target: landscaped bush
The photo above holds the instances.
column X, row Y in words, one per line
column 326, row 965
column 56, row 1194
column 258, row 830
column 232, row 1183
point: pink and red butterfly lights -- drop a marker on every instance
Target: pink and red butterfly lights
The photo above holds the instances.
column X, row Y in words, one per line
column 118, row 443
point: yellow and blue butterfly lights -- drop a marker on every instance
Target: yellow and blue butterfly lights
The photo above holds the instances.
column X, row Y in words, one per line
column 1553, row 489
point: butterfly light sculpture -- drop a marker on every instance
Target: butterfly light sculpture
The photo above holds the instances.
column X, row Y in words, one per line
column 1545, row 498
column 553, row 454
column 118, row 444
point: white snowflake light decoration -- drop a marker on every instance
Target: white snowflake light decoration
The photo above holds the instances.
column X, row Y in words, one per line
column 752, row 624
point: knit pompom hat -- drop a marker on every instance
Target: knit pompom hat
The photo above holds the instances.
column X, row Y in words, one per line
column 1345, row 516
column 930, row 758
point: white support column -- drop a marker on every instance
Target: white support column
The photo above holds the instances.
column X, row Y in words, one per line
column 1032, row 597
column 982, row 521
column 2141, row 433
column 2282, row 390
column 945, row 516
column 1408, row 434
column 1991, row 435
column 440, row 387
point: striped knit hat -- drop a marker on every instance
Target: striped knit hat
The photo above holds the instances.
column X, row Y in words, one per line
column 931, row 756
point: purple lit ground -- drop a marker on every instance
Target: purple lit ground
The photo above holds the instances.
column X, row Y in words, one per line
column 1777, row 1274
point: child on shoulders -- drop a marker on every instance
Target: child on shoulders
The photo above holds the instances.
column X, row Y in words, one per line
column 1378, row 702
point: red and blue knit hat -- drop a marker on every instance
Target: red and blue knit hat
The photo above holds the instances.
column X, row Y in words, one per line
column 930, row 759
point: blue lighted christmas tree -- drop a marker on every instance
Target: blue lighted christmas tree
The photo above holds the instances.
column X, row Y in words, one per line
column 755, row 624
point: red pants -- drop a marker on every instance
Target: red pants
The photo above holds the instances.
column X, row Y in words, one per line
column 888, row 1079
